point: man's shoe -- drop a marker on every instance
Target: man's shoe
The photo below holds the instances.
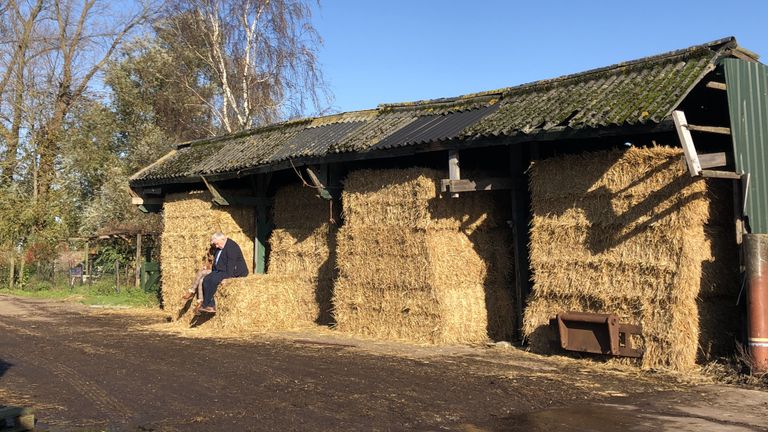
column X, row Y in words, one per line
column 208, row 309
column 188, row 295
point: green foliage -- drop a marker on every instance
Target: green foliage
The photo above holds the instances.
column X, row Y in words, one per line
column 101, row 292
column 117, row 252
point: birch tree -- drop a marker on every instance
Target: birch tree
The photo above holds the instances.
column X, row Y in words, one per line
column 261, row 55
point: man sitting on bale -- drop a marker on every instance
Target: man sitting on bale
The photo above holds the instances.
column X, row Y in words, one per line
column 227, row 263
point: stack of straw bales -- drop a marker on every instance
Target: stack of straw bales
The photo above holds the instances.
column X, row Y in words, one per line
column 631, row 233
column 416, row 266
column 303, row 244
column 296, row 290
column 189, row 219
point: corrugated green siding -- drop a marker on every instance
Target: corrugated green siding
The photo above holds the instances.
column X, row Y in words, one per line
column 748, row 105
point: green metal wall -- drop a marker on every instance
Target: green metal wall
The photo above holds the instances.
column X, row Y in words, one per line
column 747, row 84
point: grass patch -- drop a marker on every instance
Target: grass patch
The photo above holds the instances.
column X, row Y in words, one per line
column 100, row 293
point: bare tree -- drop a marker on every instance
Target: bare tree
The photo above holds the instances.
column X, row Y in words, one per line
column 260, row 55
column 16, row 31
column 84, row 36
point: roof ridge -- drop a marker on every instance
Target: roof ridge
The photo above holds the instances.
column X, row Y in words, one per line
column 716, row 47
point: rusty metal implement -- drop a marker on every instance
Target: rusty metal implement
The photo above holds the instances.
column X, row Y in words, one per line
column 597, row 334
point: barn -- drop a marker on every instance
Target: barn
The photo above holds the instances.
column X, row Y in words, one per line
column 612, row 211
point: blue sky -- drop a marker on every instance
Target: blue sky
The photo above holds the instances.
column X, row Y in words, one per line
column 381, row 51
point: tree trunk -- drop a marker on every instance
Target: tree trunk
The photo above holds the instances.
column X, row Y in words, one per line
column 22, row 266
column 11, row 269
column 48, row 147
column 12, row 139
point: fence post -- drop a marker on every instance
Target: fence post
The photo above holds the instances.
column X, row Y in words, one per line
column 138, row 260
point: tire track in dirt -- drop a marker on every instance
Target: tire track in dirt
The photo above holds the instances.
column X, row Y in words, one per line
column 55, row 340
column 91, row 391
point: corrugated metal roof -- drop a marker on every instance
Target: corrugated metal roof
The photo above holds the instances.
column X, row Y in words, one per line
column 314, row 141
column 638, row 92
column 747, row 87
column 629, row 94
column 431, row 128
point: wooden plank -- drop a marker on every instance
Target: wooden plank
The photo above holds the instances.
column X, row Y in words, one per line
column 720, row 174
column 488, row 184
column 316, row 182
column 716, row 85
column 712, row 160
column 743, row 54
column 710, row 129
column 691, row 158
column 454, row 170
column 217, row 196
column 147, row 201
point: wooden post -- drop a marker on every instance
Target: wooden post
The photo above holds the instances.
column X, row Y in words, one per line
column 454, row 171
column 684, row 133
column 117, row 276
column 86, row 272
column 137, row 282
column 263, row 227
column 520, row 220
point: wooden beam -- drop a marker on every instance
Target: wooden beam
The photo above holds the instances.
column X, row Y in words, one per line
column 710, row 129
column 716, row 85
column 720, row 174
column 315, row 179
column 744, row 54
column 691, row 158
column 454, row 170
column 144, row 201
column 218, row 198
column 712, row 160
column 466, row 185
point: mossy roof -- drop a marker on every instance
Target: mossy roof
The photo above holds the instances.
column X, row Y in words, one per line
column 638, row 92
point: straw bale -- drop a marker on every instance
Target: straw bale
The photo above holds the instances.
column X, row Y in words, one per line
column 411, row 198
column 259, row 303
column 304, row 245
column 298, row 206
column 417, row 266
column 189, row 219
column 629, row 232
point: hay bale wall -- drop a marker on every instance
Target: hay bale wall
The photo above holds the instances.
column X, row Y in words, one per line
column 296, row 291
column 629, row 232
column 303, row 244
column 189, row 219
column 416, row 266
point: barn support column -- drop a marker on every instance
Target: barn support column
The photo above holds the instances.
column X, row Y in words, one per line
column 518, row 163
column 262, row 223
column 756, row 260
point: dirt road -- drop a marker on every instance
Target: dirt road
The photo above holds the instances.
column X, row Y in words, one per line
column 84, row 369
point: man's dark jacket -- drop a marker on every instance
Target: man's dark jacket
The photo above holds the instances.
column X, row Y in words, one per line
column 231, row 261
column 230, row 264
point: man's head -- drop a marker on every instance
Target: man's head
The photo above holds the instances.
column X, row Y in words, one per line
column 218, row 239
